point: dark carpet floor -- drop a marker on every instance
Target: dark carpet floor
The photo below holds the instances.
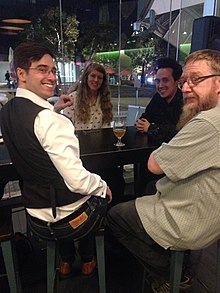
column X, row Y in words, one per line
column 123, row 273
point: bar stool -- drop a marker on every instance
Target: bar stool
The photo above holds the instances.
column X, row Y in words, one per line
column 6, row 235
column 53, row 263
column 176, row 265
column 100, row 252
column 176, row 269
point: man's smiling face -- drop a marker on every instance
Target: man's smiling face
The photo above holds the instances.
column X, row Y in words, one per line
column 40, row 78
column 165, row 84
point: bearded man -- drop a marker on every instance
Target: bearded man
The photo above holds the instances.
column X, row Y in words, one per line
column 185, row 212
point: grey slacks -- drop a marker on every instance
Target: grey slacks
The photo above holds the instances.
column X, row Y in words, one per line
column 125, row 225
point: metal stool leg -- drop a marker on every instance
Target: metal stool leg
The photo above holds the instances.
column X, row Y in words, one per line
column 144, row 279
column 14, row 283
column 176, row 270
column 51, row 266
column 100, row 250
column 218, row 268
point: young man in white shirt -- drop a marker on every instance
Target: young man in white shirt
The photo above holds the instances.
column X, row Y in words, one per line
column 63, row 199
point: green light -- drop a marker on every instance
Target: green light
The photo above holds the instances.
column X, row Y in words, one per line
column 185, row 48
column 116, row 53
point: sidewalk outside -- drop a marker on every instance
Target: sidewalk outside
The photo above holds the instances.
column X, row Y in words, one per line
column 130, row 96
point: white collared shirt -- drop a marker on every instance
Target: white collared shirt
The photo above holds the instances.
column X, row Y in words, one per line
column 56, row 135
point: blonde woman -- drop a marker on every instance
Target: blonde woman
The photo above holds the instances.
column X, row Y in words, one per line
column 92, row 106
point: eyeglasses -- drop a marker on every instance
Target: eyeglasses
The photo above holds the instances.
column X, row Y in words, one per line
column 193, row 81
column 44, row 70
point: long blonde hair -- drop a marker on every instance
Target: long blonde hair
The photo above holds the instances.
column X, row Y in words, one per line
column 83, row 96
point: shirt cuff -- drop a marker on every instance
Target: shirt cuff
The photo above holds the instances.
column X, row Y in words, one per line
column 103, row 185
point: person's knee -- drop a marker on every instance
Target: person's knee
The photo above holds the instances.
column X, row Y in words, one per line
column 113, row 220
column 113, row 213
column 118, row 214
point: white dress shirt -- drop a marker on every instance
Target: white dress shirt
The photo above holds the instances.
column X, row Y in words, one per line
column 56, row 135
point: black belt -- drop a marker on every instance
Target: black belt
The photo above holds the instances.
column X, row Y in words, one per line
column 86, row 206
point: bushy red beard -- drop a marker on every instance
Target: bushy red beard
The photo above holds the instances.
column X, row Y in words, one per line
column 191, row 109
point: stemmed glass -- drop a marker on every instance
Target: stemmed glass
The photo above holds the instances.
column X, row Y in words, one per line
column 119, row 129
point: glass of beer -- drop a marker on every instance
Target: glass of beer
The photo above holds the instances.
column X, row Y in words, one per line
column 119, row 129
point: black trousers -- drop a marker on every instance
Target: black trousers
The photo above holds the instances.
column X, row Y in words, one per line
column 79, row 226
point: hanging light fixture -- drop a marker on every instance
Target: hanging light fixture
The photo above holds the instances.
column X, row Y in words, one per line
column 8, row 33
column 12, row 28
column 16, row 20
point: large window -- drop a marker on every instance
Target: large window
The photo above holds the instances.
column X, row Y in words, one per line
column 127, row 52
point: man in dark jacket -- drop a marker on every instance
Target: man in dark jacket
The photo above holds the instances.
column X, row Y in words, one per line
column 162, row 113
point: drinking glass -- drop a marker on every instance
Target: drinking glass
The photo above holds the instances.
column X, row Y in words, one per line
column 119, row 129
